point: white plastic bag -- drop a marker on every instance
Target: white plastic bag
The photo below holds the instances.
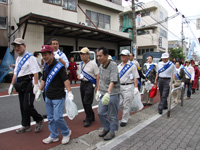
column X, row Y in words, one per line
column 71, row 108
column 136, row 104
column 148, row 85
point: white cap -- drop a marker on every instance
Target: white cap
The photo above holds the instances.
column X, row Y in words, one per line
column 165, row 55
column 110, row 57
column 196, row 63
column 125, row 52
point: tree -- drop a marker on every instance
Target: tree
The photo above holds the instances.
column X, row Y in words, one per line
column 176, row 53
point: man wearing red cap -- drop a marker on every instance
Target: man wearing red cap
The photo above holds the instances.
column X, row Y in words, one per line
column 72, row 68
column 26, row 68
column 53, row 82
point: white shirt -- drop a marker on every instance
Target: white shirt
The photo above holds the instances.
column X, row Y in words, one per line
column 30, row 66
column 136, row 63
column 190, row 69
column 63, row 57
column 168, row 71
column 126, row 77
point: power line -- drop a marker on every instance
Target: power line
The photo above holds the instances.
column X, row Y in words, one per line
column 159, row 23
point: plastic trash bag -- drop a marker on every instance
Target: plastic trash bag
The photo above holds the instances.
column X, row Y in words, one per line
column 71, row 108
column 148, row 85
column 136, row 104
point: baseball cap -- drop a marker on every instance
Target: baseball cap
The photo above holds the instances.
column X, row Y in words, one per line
column 187, row 60
column 196, row 63
column 110, row 57
column 125, row 52
column 165, row 55
column 18, row 41
column 85, row 50
column 46, row 48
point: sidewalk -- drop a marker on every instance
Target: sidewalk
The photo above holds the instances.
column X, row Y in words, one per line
column 180, row 132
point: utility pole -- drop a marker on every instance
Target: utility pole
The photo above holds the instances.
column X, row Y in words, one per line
column 134, row 31
column 182, row 40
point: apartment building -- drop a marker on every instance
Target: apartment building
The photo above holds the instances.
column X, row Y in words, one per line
column 76, row 23
column 151, row 36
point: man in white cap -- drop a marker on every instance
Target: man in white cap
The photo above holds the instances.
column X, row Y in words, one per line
column 128, row 75
column 164, row 70
column 26, row 68
column 189, row 77
column 89, row 76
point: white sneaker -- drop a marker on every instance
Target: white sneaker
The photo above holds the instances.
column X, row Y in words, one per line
column 50, row 140
column 66, row 139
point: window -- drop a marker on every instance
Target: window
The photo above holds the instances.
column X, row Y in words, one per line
column 163, row 33
column 3, row 1
column 100, row 20
column 161, row 15
column 146, row 13
column 142, row 51
column 69, row 4
column 125, row 21
column 3, row 24
column 57, row 2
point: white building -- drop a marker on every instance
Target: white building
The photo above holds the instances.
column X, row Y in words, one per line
column 38, row 21
column 151, row 36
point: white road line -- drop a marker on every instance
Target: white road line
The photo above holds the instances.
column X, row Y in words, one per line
column 33, row 123
column 116, row 141
column 17, row 94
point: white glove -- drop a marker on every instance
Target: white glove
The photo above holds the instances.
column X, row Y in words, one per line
column 149, row 82
column 182, row 84
column 35, row 89
column 106, row 99
column 38, row 95
column 81, row 76
column 131, row 76
column 98, row 96
column 56, row 56
column 70, row 96
column 135, row 90
column 10, row 90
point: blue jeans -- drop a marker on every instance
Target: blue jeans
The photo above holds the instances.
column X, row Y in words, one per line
column 108, row 114
column 189, row 89
column 55, row 109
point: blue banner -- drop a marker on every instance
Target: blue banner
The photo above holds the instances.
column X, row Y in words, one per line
column 22, row 62
column 52, row 74
column 186, row 72
column 125, row 69
column 149, row 70
column 165, row 67
column 87, row 76
column 177, row 76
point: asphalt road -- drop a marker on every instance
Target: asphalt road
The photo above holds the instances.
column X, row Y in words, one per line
column 10, row 112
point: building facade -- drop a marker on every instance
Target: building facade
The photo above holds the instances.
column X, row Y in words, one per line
column 151, row 36
column 76, row 23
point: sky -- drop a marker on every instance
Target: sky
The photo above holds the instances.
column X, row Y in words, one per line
column 191, row 10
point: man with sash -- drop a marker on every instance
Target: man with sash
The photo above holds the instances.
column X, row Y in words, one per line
column 128, row 75
column 26, row 69
column 89, row 76
column 189, row 77
column 149, row 71
column 164, row 72
column 108, row 94
column 54, row 80
column 133, row 60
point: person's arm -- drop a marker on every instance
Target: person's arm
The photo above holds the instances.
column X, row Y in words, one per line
column 110, row 87
column 67, row 85
column 14, row 79
column 156, row 78
column 98, row 82
column 136, row 83
column 35, row 78
column 42, row 84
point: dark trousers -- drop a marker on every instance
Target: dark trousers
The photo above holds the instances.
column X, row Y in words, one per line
column 164, row 92
column 26, row 100
column 87, row 95
column 189, row 86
